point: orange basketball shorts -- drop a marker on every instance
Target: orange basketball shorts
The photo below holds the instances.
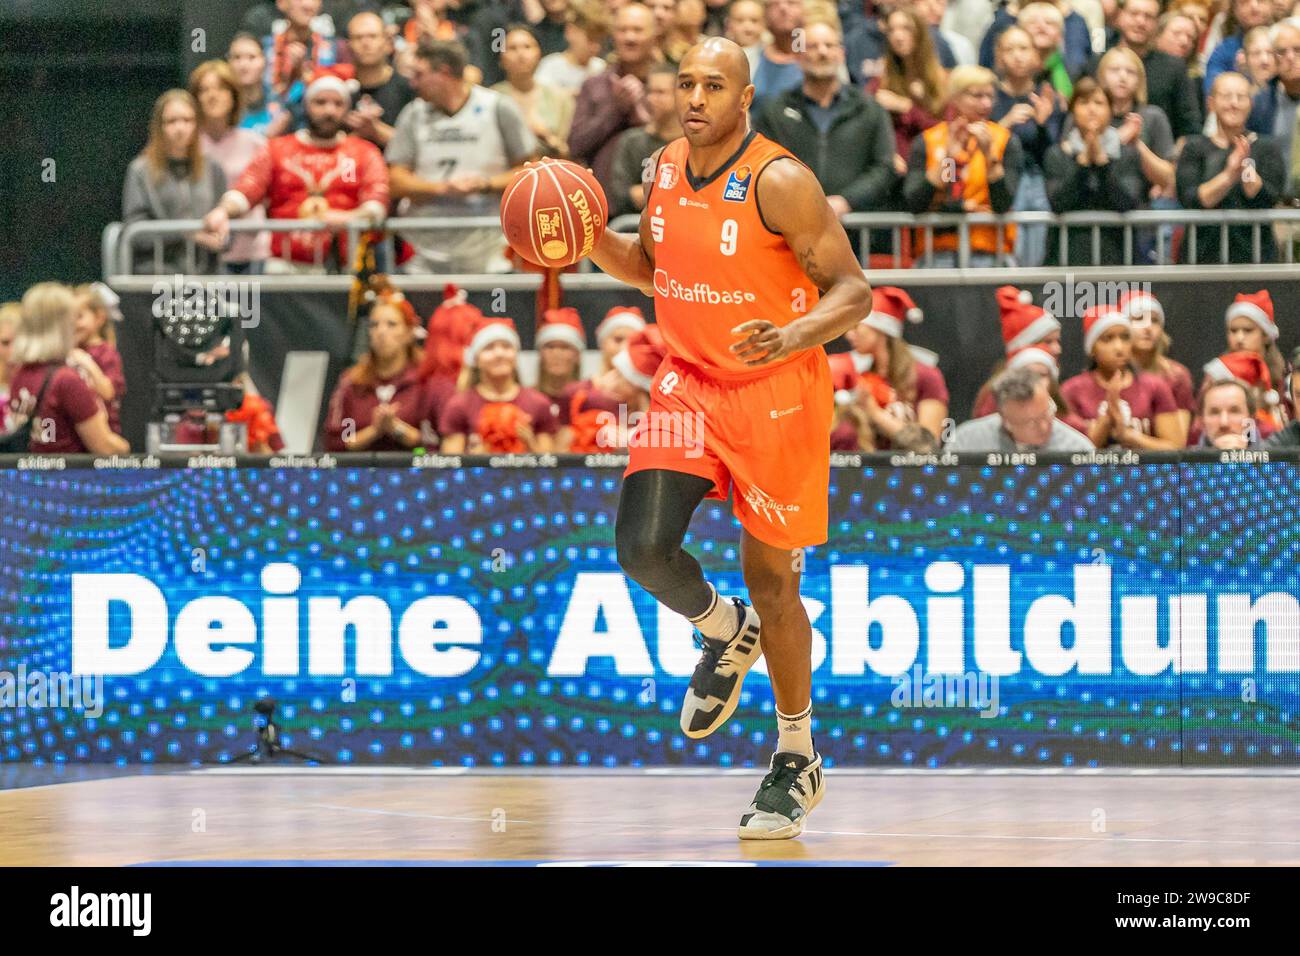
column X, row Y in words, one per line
column 766, row 438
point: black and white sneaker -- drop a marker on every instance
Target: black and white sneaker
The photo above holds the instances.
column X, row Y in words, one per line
column 714, row 690
column 789, row 792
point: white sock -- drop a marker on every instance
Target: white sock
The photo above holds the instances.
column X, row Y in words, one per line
column 720, row 621
column 794, row 734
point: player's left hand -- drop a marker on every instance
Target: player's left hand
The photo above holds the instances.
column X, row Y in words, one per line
column 763, row 342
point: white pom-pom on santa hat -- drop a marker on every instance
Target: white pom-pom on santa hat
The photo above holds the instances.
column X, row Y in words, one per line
column 1023, row 323
column 889, row 307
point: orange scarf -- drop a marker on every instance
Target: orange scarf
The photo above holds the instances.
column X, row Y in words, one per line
column 972, row 183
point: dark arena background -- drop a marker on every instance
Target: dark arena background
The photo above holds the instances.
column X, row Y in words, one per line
column 231, row 637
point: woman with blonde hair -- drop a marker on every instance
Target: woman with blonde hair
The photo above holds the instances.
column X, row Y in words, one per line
column 171, row 179
column 65, row 414
column 232, row 147
column 492, row 413
column 1122, row 75
column 968, row 164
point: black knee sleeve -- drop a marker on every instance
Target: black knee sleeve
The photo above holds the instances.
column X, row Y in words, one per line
column 654, row 512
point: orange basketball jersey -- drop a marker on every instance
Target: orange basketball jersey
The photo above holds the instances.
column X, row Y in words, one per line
column 717, row 264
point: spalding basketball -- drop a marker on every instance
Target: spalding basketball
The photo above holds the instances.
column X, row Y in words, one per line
column 553, row 212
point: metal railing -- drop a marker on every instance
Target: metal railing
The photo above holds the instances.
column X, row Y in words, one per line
column 867, row 223
column 119, row 242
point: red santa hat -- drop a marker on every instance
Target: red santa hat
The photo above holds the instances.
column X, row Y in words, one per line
column 620, row 317
column 639, row 359
column 1137, row 305
column 561, row 325
column 1249, row 367
column 1097, row 320
column 890, row 307
column 1033, row 355
column 489, row 331
column 1023, row 323
column 339, row 78
column 1256, row 306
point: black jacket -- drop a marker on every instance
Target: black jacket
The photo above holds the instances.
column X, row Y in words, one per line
column 854, row 158
column 1117, row 186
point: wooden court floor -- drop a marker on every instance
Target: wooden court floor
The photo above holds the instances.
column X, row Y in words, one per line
column 913, row 818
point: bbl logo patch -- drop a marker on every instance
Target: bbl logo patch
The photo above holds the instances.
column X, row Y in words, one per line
column 737, row 185
column 668, row 175
column 550, row 232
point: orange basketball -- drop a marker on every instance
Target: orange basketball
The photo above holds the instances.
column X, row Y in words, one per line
column 553, row 212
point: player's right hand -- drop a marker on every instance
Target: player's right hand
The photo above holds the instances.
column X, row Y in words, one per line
column 764, row 342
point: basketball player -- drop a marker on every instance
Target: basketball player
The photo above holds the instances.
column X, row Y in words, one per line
column 751, row 274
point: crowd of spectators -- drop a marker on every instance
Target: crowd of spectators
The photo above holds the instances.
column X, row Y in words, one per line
column 1057, row 106
column 346, row 112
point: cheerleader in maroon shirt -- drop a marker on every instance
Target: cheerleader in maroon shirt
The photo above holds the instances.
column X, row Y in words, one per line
column 492, row 413
column 1252, row 328
column 560, row 342
column 65, row 414
column 885, row 397
column 1121, row 404
column 383, row 403
column 1151, row 344
column 95, row 356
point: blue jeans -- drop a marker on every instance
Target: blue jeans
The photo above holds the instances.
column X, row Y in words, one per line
column 1144, row 240
column 1031, row 239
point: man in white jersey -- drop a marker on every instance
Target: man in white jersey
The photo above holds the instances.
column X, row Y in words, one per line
column 453, row 151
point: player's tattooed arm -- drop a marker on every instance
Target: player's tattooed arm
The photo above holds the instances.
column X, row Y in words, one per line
column 628, row 258
column 792, row 203
column 807, row 257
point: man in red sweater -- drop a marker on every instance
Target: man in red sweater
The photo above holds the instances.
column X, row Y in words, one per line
column 317, row 173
